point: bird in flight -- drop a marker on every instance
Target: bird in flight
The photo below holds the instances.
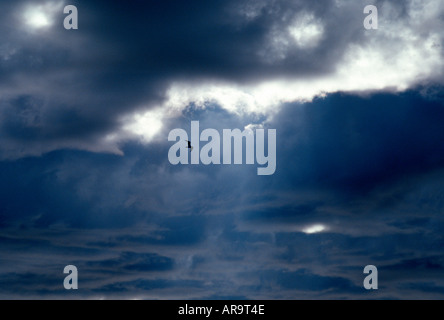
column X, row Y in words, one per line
column 189, row 145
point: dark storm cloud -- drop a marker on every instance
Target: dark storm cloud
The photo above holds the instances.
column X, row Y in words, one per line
column 29, row 283
column 305, row 281
column 68, row 89
column 214, row 39
column 130, row 261
column 424, row 287
column 178, row 231
column 357, row 144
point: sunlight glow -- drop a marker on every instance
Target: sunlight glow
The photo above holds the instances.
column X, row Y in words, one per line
column 314, row 229
column 37, row 19
column 42, row 15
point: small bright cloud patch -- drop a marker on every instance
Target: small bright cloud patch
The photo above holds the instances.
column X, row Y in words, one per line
column 314, row 229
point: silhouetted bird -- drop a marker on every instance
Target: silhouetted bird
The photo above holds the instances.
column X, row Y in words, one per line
column 189, row 145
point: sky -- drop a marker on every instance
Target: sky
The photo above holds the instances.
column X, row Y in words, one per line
column 85, row 178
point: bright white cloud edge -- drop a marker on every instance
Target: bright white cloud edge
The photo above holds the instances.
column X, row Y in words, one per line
column 394, row 57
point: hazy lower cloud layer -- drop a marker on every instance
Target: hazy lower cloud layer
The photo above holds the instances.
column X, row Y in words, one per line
column 85, row 177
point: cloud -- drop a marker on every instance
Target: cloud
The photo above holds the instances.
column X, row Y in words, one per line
column 247, row 58
column 359, row 120
column 364, row 60
column 130, row 261
column 369, row 169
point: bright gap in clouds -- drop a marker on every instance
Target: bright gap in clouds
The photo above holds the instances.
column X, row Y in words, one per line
column 306, row 31
column 36, row 18
column 144, row 125
column 314, row 229
column 39, row 16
